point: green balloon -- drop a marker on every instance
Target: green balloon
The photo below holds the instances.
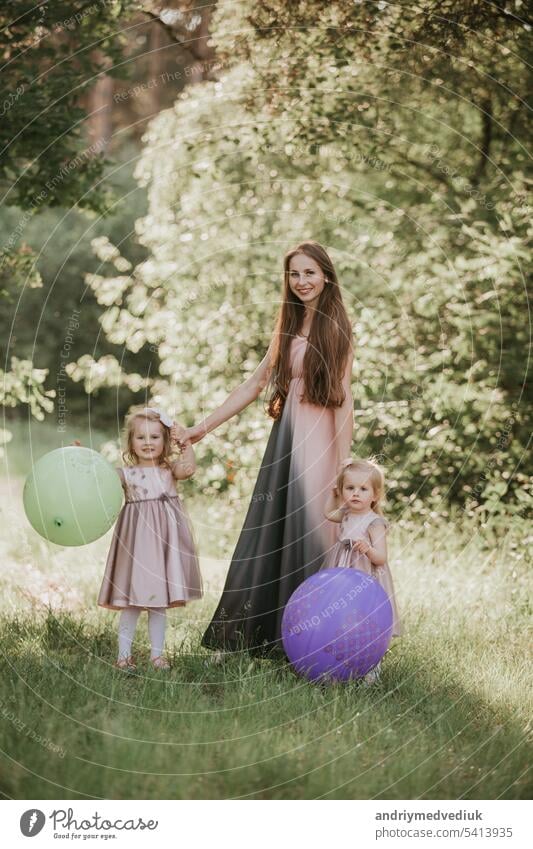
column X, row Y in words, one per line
column 72, row 496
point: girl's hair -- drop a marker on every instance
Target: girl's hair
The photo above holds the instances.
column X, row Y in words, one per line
column 129, row 456
column 330, row 338
column 376, row 476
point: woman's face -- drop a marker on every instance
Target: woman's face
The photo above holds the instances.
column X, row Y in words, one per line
column 148, row 442
column 306, row 279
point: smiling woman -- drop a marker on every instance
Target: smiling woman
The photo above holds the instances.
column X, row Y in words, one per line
column 306, row 279
column 285, row 537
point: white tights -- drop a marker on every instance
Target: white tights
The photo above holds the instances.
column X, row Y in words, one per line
column 128, row 623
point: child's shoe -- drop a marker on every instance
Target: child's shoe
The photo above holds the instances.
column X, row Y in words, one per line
column 372, row 676
column 127, row 664
column 160, row 662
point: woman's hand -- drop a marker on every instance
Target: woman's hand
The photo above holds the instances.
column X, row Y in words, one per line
column 192, row 434
column 343, row 464
column 177, row 432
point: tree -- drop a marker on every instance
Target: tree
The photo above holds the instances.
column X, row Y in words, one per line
column 60, row 64
column 390, row 134
column 48, row 59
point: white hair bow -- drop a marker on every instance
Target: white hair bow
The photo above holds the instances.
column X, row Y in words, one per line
column 163, row 417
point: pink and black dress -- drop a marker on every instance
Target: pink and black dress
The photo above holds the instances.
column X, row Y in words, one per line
column 285, row 534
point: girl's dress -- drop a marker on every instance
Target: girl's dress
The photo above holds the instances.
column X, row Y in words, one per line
column 285, row 534
column 152, row 561
column 342, row 554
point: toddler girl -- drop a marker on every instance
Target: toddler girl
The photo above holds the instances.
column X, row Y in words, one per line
column 355, row 502
column 152, row 563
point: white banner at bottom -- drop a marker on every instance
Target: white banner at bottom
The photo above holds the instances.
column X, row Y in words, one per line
column 256, row 824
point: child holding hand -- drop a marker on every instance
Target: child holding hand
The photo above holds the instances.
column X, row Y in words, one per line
column 152, row 564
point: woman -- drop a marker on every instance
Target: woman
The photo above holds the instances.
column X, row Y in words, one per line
column 285, row 536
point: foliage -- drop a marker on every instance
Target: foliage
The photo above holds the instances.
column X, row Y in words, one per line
column 311, row 134
column 51, row 53
column 23, row 384
column 58, row 322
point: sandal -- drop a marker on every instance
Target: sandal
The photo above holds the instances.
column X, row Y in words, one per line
column 126, row 663
column 160, row 662
column 373, row 676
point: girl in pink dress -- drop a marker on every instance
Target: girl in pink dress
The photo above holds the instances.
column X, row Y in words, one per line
column 152, row 563
column 285, row 535
column 355, row 505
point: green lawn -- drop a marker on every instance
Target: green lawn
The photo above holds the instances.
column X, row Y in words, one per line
column 448, row 720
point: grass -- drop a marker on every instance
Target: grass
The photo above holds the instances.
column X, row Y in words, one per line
column 449, row 719
column 437, row 726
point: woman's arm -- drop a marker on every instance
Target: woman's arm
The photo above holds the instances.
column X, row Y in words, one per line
column 185, row 467
column 344, row 415
column 236, row 401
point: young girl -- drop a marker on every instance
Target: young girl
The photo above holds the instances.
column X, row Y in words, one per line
column 355, row 502
column 152, row 563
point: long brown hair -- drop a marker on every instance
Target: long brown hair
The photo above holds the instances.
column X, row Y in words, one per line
column 330, row 338
column 138, row 412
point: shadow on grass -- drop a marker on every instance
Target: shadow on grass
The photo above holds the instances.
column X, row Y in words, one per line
column 252, row 727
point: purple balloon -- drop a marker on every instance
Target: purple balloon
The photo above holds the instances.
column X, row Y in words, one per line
column 337, row 625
